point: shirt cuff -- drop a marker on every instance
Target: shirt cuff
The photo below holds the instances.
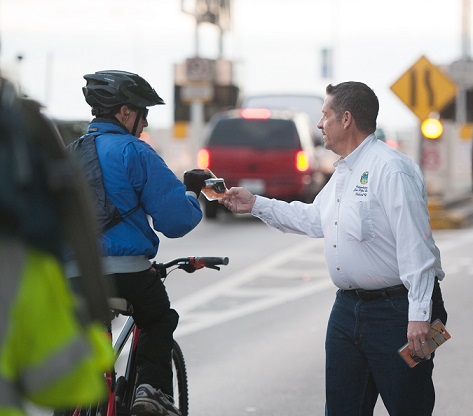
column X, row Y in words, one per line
column 420, row 311
column 257, row 207
column 191, row 193
column 261, row 209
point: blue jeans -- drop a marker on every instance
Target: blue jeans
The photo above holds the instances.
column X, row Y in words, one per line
column 362, row 360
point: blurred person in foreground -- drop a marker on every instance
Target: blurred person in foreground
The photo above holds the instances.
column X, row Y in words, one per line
column 137, row 181
column 52, row 353
column 381, row 255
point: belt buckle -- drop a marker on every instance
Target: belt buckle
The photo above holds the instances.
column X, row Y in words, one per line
column 368, row 295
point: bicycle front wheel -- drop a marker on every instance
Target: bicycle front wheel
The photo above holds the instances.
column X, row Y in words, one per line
column 180, row 387
column 97, row 410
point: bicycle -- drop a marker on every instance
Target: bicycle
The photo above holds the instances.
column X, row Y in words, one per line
column 121, row 391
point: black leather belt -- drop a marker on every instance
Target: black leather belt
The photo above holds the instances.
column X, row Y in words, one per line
column 368, row 295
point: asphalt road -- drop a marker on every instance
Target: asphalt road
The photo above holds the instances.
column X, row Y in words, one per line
column 270, row 360
column 253, row 333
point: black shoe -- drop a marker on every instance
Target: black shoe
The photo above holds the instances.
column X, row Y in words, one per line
column 152, row 402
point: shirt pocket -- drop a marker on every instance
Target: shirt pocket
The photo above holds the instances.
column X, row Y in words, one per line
column 359, row 226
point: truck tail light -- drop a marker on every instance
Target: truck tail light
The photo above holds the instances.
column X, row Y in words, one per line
column 256, row 113
column 302, row 161
column 203, row 159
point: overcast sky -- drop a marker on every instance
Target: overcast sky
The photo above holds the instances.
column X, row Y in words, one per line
column 275, row 45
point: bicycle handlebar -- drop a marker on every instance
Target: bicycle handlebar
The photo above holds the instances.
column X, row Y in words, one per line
column 210, row 262
column 191, row 264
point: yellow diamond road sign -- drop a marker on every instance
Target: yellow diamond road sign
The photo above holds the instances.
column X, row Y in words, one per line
column 424, row 88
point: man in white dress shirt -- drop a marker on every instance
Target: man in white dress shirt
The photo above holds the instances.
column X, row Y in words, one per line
column 381, row 255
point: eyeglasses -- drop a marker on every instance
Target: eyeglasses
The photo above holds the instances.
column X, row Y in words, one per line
column 143, row 110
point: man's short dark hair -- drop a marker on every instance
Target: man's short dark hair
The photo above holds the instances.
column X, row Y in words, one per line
column 357, row 98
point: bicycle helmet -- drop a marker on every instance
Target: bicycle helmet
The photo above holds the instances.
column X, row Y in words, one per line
column 108, row 89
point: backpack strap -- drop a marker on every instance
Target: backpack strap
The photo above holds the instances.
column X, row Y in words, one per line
column 118, row 217
column 107, row 214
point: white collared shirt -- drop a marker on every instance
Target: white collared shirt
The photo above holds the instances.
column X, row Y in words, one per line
column 374, row 218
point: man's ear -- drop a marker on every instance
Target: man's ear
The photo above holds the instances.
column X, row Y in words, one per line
column 124, row 110
column 347, row 119
column 123, row 114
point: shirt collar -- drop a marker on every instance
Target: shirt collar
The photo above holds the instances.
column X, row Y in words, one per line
column 107, row 125
column 354, row 156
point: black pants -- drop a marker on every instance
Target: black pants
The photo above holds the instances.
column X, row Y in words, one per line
column 157, row 321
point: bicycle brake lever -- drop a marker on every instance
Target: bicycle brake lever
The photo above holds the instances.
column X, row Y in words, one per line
column 189, row 268
column 213, row 267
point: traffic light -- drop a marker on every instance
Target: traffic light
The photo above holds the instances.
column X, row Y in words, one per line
column 432, row 128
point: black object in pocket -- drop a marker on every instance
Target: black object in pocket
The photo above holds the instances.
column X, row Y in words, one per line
column 438, row 307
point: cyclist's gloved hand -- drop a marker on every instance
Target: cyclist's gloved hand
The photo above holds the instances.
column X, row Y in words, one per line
column 195, row 180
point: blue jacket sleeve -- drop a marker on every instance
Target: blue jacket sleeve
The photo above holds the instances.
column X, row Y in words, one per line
column 162, row 195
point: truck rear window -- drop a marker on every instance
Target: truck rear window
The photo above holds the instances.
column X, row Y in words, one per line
column 261, row 134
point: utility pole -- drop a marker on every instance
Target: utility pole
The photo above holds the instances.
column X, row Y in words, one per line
column 461, row 101
column 216, row 12
column 466, row 30
column 200, row 77
column 461, row 104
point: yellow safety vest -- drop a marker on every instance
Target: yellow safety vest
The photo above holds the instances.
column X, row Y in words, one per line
column 46, row 355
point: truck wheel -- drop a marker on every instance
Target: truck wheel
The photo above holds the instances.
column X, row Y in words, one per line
column 211, row 208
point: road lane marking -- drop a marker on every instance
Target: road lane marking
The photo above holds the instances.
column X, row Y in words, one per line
column 204, row 320
column 199, row 310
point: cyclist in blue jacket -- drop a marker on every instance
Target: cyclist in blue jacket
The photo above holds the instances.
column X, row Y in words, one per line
column 145, row 192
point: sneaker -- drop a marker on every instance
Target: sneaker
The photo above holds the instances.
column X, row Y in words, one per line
column 152, row 402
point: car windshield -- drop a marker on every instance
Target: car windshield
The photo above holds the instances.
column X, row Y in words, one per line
column 261, row 134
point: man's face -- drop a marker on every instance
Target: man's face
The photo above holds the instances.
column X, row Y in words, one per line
column 332, row 129
column 142, row 123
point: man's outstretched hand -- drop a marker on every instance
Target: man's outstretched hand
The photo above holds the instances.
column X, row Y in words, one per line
column 238, row 200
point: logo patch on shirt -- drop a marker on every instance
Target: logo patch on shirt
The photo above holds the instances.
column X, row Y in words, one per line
column 364, row 178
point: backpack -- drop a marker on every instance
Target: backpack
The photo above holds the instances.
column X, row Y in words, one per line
column 43, row 195
column 107, row 214
column 27, row 200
